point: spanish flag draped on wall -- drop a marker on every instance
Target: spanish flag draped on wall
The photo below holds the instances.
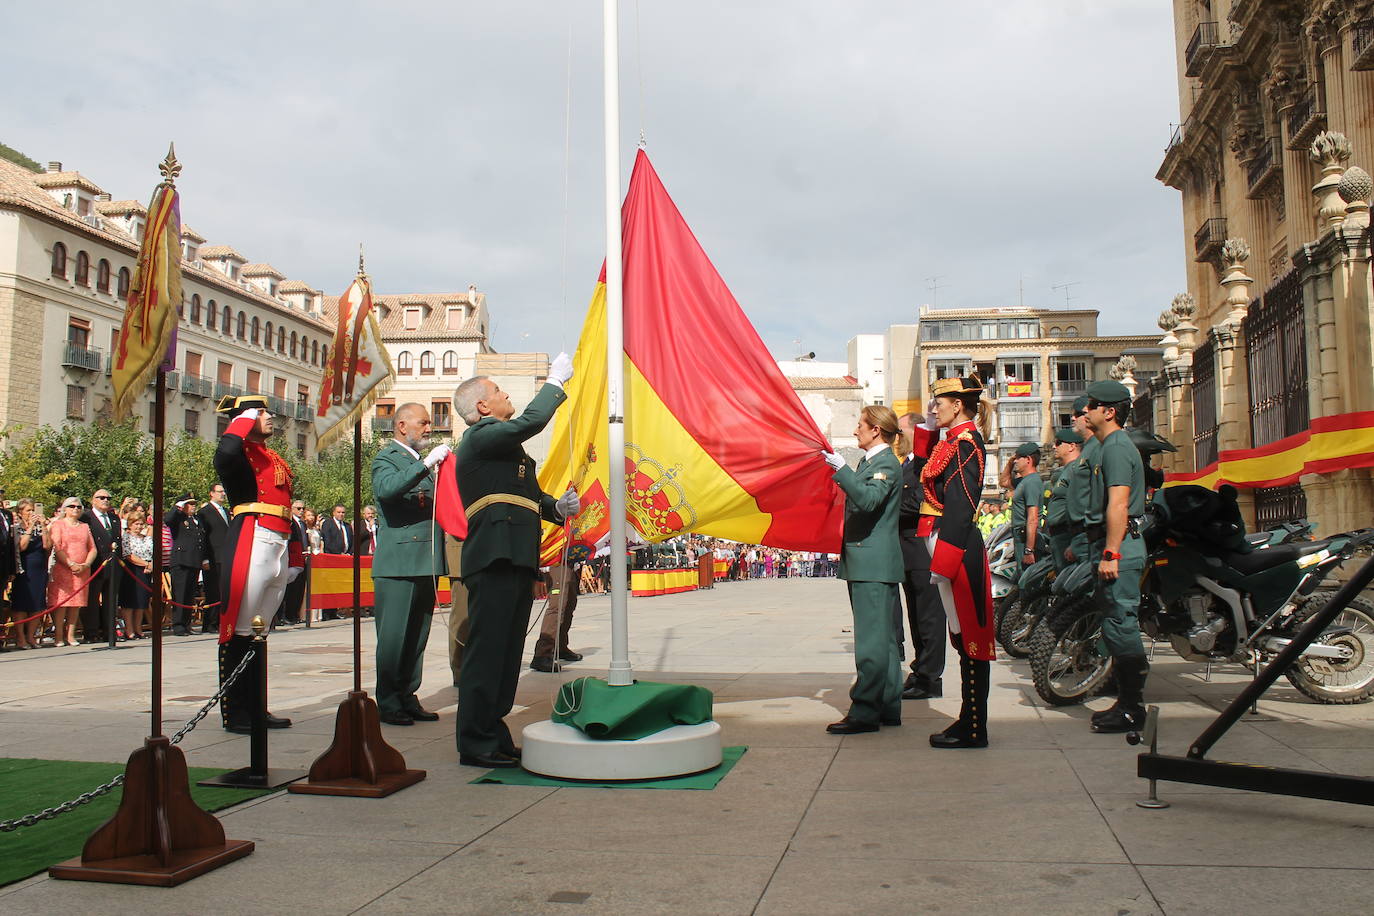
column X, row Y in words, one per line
column 717, row 442
column 1328, row 444
column 147, row 336
column 358, row 370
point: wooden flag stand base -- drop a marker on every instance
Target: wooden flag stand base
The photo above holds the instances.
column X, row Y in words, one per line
column 359, row 763
column 159, row 836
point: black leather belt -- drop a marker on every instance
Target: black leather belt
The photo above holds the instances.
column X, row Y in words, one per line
column 1099, row 532
column 1065, row 528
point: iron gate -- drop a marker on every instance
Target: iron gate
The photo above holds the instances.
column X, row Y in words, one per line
column 1204, row 405
column 1276, row 356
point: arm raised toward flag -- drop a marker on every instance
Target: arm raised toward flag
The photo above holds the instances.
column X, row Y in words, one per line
column 490, row 439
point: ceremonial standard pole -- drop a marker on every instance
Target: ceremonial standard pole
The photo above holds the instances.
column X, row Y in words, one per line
column 620, row 674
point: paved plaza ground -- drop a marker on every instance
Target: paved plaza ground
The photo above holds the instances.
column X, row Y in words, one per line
column 1044, row 821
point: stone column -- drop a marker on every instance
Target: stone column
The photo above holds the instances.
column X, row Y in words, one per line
column 1331, row 151
column 1179, row 380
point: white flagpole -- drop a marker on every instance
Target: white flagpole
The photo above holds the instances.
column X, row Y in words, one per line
column 620, row 673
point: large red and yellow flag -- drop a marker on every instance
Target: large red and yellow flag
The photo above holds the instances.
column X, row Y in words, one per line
column 358, row 370
column 717, row 442
column 147, row 336
column 1329, row 444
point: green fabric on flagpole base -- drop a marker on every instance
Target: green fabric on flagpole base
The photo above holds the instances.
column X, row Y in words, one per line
column 27, row 786
column 706, row 780
column 638, row 710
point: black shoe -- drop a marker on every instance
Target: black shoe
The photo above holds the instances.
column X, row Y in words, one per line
column 892, row 721
column 420, row 714
column 239, row 728
column 180, row 631
column 1107, row 713
column 511, row 751
column 911, row 681
column 398, row 718
column 1120, row 720
column 277, row 721
column 921, row 693
column 568, row 655
column 494, row 761
column 848, row 726
column 545, row 664
column 945, row 740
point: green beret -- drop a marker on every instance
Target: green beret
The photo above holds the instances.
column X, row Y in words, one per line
column 1069, row 435
column 1109, row 391
column 1028, row 450
column 1080, row 403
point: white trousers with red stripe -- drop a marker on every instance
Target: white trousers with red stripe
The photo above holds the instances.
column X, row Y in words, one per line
column 265, row 585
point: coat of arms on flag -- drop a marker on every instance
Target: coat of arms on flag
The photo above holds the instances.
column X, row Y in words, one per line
column 358, row 370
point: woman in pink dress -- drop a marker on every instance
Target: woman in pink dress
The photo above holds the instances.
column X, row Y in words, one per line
column 73, row 553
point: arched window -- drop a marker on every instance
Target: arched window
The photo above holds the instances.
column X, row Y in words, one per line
column 83, row 268
column 427, row 363
column 181, row 307
column 226, row 325
column 102, row 276
column 314, row 353
column 403, row 363
column 123, row 283
column 195, row 308
column 1056, row 332
column 293, row 344
column 242, row 326
column 281, row 340
column 212, row 315
column 450, row 362
column 59, row 260
column 1071, row 332
column 324, row 354
column 256, row 331
column 267, row 336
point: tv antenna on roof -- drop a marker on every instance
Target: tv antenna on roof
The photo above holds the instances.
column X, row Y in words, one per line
column 1066, row 287
column 935, row 287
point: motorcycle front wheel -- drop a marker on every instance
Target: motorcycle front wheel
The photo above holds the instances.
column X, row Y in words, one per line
column 1015, row 628
column 1332, row 681
column 1065, row 663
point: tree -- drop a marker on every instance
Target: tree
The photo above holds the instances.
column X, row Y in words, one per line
column 327, row 480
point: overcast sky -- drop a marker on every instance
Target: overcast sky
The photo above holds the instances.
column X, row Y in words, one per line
column 830, row 156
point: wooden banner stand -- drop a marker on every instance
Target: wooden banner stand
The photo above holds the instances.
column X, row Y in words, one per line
column 359, row 763
column 159, row 836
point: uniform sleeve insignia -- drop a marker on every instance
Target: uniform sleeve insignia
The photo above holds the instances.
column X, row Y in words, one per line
column 880, row 476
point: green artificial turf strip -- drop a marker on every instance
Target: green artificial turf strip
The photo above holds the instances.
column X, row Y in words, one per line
column 28, row 786
column 707, row 780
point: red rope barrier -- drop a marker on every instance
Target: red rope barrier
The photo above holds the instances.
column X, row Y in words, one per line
column 52, row 607
column 166, row 599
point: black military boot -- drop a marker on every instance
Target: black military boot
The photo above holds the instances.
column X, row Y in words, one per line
column 235, row 708
column 1128, row 713
column 971, row 728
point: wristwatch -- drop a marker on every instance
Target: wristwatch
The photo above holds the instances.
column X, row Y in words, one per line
column 1108, row 555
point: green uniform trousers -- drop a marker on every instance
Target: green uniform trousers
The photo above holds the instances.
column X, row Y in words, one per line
column 403, row 610
column 877, row 692
column 1059, row 543
column 499, row 601
column 1119, row 604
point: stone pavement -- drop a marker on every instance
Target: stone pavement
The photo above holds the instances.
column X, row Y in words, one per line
column 1043, row 821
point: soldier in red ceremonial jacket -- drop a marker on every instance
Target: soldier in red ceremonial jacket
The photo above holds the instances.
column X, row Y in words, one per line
column 261, row 557
column 952, row 482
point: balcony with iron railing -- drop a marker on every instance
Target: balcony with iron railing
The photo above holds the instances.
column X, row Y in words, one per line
column 1070, row 387
column 223, row 388
column 197, row 386
column 1265, row 167
column 75, row 356
column 1362, row 45
column 281, row 407
column 1208, row 239
column 303, row 411
column 1011, row 436
column 1306, row 118
column 383, row 424
column 1204, row 41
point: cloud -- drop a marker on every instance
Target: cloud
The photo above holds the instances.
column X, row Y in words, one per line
column 829, row 156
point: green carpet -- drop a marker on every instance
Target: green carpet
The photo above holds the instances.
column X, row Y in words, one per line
column 707, row 780
column 28, row 786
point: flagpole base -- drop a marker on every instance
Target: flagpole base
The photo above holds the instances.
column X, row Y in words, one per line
column 563, row 752
column 359, row 763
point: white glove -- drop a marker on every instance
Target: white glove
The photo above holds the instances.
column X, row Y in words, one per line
column 568, row 504
column 834, row 460
column 931, row 421
column 294, row 573
column 936, row 578
column 437, row 455
column 251, row 413
column 561, row 370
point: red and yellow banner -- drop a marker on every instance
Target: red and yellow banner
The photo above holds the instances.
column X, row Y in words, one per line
column 147, row 336
column 1018, row 389
column 646, row 583
column 331, row 582
column 717, row 442
column 358, row 369
column 1329, row 444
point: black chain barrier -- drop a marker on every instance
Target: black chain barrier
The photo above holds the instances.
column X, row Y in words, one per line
column 46, row 814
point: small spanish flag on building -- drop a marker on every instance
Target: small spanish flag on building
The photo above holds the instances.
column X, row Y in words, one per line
column 1017, row 389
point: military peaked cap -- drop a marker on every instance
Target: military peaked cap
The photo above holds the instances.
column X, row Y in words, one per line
column 1069, row 435
column 1109, row 391
column 971, row 384
column 1028, row 450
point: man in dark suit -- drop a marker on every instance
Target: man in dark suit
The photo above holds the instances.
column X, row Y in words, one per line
column 189, row 551
column 290, row 610
column 925, row 612
column 500, row 557
column 103, row 589
column 214, row 520
column 337, row 532
column 8, row 554
column 367, row 537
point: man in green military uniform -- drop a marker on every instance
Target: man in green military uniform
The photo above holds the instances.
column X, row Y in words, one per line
column 1116, row 503
column 409, row 557
column 1080, row 482
column 1067, row 445
column 1026, row 502
column 500, row 557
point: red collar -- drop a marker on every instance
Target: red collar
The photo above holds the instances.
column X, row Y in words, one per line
column 956, row 429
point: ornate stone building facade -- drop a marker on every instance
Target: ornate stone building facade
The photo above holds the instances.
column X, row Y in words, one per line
column 1274, row 332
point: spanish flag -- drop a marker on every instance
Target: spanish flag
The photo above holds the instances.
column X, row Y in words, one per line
column 1017, row 389
column 717, row 442
column 147, row 336
column 1329, row 444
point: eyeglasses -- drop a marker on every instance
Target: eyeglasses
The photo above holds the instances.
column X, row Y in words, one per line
column 1094, row 405
column 71, row 505
column 101, row 496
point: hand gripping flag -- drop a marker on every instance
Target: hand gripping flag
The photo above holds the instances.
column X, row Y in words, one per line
column 358, row 370
column 717, row 442
column 147, row 336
